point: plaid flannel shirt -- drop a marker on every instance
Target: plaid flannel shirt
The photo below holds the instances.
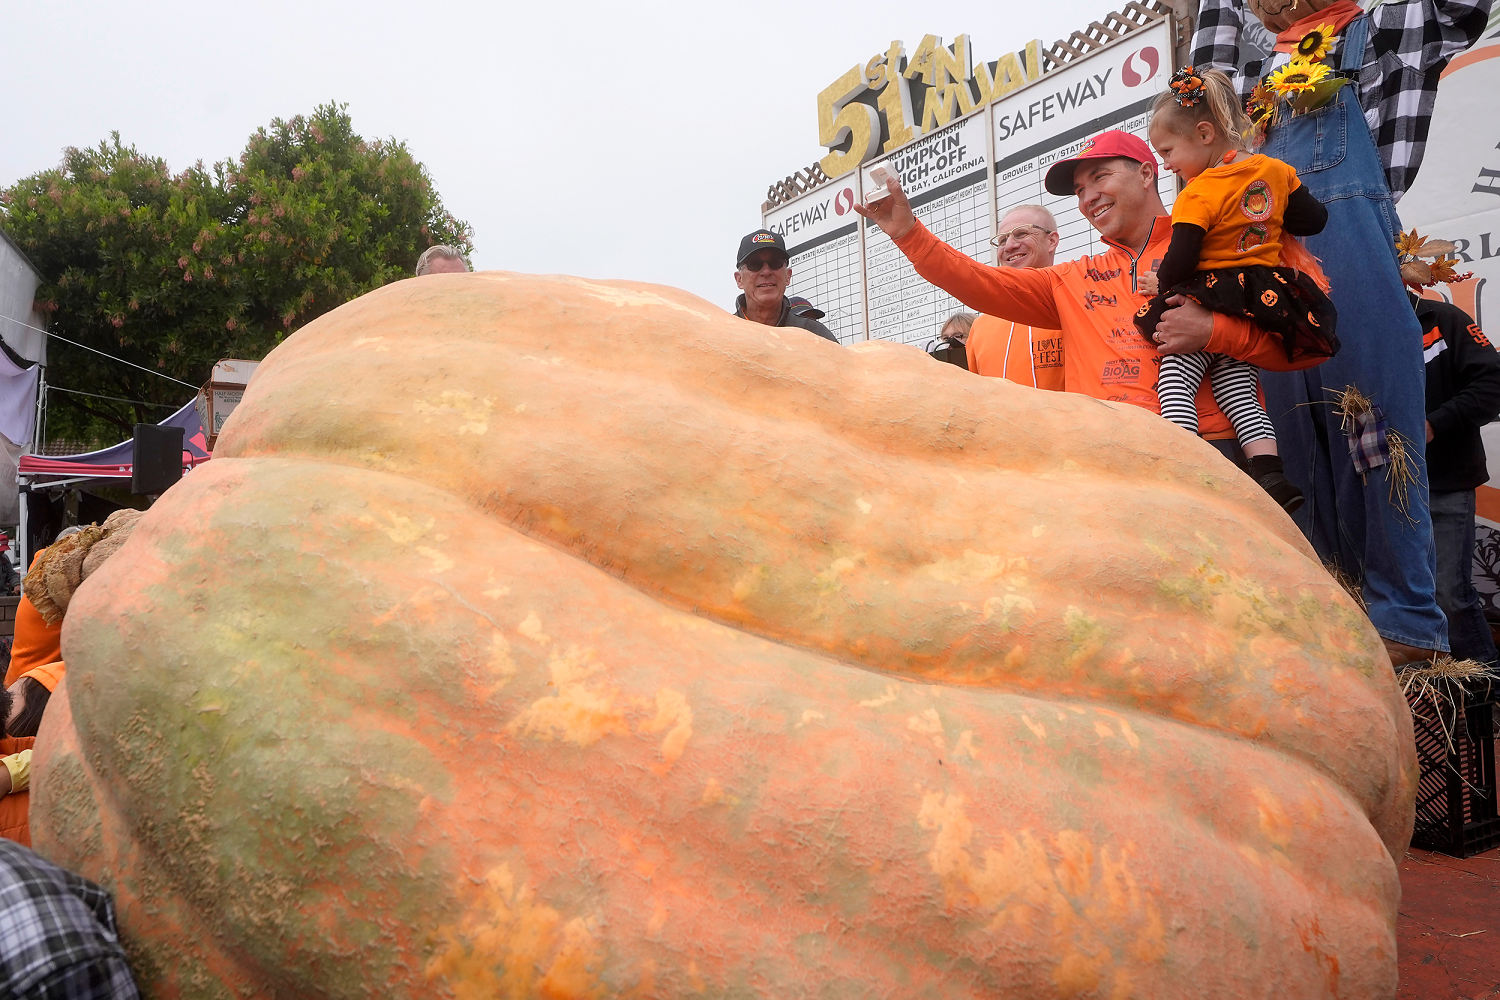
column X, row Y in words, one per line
column 57, row 933
column 1410, row 43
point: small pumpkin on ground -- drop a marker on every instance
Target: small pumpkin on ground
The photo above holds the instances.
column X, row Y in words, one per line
column 547, row 637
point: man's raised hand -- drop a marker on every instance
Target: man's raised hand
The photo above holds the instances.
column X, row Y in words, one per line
column 891, row 213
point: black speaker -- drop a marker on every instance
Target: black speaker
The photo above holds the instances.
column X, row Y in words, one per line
column 158, row 458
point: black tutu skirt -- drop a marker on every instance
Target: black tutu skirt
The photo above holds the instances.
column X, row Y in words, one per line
column 1285, row 303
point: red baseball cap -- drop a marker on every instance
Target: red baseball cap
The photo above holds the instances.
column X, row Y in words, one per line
column 1104, row 146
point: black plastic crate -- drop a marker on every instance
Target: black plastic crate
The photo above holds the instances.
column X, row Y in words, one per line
column 1456, row 795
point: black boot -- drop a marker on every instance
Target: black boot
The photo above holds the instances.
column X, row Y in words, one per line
column 1267, row 471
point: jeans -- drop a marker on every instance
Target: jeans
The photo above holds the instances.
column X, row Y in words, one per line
column 1351, row 521
column 1453, row 528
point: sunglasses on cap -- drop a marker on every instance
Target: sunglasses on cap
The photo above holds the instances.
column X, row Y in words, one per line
column 757, row 263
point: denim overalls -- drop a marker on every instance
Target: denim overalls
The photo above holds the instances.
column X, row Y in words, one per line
column 1350, row 522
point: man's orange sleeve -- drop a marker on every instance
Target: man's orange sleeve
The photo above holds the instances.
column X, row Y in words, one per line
column 1023, row 294
column 1241, row 339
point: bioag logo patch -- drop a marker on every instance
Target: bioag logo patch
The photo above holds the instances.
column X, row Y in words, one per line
column 1120, row 370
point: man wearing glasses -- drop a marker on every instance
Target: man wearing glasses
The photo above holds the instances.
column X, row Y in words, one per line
column 1092, row 300
column 762, row 272
column 1004, row 348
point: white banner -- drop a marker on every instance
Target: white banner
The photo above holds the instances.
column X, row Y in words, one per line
column 1052, row 118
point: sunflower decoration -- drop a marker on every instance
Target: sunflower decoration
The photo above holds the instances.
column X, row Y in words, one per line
column 1260, row 108
column 1427, row 262
column 1262, row 101
column 1316, row 43
column 1297, row 76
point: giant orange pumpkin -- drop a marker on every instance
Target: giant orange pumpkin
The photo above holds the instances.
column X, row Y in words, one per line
column 540, row 637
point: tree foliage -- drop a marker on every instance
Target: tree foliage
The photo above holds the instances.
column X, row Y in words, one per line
column 175, row 271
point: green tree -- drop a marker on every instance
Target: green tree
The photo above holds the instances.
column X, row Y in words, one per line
column 175, row 271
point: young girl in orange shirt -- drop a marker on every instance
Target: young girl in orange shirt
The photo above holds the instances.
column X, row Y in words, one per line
column 1227, row 253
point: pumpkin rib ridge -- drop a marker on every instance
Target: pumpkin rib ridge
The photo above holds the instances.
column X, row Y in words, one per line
column 544, row 354
column 1121, row 699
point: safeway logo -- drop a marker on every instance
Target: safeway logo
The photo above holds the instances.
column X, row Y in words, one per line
column 843, row 201
column 1140, row 66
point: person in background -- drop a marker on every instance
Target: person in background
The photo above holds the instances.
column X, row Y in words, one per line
column 29, row 696
column 441, row 259
column 952, row 338
column 36, row 641
column 15, row 781
column 1463, row 394
column 762, row 271
column 956, row 328
column 1004, row 348
column 60, row 936
column 56, row 572
column 10, row 580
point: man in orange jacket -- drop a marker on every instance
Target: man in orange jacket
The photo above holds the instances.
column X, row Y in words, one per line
column 1093, row 300
column 1003, row 348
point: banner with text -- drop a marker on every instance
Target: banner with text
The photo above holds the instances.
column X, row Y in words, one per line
column 1053, row 118
column 944, row 176
column 959, row 177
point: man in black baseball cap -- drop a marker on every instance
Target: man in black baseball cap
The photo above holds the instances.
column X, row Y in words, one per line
column 762, row 271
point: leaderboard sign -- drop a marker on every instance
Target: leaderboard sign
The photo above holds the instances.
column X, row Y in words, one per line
column 960, row 176
column 944, row 175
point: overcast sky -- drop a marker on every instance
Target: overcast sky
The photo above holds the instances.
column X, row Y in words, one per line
column 614, row 140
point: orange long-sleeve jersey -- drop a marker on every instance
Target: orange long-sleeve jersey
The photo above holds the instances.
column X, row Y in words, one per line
column 1003, row 348
column 1092, row 300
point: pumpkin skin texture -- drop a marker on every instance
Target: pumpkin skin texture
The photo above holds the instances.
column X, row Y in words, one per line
column 541, row 637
